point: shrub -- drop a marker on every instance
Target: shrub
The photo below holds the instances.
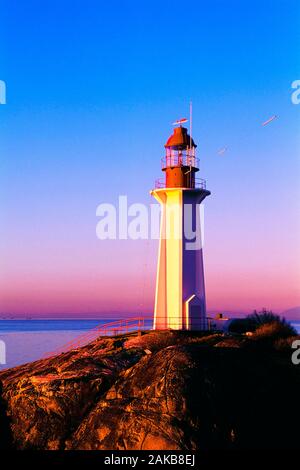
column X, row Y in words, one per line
column 240, row 325
column 258, row 319
column 274, row 330
column 153, row 340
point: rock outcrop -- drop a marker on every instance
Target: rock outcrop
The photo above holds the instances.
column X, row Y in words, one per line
column 162, row 390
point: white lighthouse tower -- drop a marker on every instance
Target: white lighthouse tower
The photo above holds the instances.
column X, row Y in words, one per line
column 180, row 290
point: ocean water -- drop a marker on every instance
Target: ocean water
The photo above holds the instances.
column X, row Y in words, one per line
column 29, row 340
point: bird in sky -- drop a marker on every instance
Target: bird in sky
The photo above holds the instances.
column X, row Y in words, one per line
column 222, row 150
column 270, row 120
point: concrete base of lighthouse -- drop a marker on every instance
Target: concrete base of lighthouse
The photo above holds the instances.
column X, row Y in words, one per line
column 180, row 290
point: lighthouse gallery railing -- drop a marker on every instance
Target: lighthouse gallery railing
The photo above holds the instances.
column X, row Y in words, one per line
column 200, row 183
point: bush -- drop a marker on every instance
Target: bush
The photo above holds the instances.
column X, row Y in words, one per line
column 258, row 319
column 274, row 330
column 240, row 325
column 153, row 340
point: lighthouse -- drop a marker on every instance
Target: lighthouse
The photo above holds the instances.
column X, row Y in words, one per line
column 180, row 290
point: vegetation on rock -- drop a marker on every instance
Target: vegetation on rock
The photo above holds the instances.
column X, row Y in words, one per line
column 257, row 320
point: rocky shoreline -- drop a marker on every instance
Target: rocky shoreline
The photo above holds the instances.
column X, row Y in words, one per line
column 161, row 390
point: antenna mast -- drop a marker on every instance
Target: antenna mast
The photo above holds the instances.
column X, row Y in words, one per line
column 191, row 123
column 191, row 151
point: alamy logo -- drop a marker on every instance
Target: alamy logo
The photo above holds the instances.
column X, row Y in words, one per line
column 296, row 94
column 2, row 352
column 138, row 221
column 296, row 354
column 2, row 92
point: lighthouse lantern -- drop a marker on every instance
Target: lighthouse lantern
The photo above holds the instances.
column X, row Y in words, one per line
column 180, row 163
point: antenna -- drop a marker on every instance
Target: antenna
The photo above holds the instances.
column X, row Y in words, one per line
column 190, row 151
column 191, row 123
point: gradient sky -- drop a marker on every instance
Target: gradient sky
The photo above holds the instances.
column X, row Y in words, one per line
column 92, row 90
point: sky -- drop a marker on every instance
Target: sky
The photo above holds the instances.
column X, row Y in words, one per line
column 93, row 88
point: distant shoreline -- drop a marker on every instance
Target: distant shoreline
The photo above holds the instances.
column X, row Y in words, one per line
column 290, row 314
column 108, row 319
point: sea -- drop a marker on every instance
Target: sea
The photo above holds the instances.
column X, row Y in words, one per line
column 23, row 341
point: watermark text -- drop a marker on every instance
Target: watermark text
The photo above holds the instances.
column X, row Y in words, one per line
column 2, row 92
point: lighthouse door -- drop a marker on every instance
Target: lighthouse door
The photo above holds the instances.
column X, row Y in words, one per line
column 196, row 322
column 195, row 317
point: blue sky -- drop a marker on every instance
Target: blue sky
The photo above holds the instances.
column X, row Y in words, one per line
column 92, row 90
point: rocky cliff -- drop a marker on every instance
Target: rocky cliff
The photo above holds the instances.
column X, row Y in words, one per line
column 161, row 390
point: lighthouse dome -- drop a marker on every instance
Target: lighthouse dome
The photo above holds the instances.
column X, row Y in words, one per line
column 180, row 139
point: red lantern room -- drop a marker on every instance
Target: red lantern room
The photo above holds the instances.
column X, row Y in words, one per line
column 180, row 163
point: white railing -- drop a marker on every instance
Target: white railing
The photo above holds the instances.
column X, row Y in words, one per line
column 200, row 183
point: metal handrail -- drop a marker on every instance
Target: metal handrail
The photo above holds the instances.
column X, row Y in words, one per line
column 112, row 328
column 126, row 325
column 200, row 183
